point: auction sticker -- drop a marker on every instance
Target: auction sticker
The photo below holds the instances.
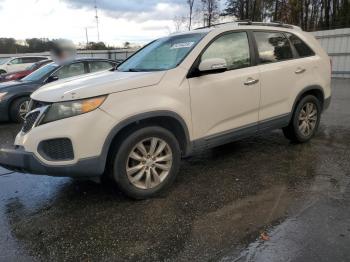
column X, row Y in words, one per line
column 182, row 45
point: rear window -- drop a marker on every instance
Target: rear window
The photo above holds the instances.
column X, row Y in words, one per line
column 272, row 47
column 303, row 49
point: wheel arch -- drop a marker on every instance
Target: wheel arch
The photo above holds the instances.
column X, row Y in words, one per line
column 13, row 99
column 315, row 90
column 166, row 119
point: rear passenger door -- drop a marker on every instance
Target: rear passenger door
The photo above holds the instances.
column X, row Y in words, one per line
column 279, row 76
column 224, row 103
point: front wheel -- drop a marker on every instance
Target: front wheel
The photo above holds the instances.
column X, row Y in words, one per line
column 305, row 120
column 19, row 109
column 146, row 162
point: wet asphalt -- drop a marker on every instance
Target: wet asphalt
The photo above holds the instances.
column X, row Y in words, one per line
column 259, row 199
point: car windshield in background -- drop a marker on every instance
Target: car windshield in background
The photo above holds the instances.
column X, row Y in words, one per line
column 40, row 73
column 162, row 54
column 3, row 60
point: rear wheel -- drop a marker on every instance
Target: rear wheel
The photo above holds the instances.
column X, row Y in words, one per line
column 305, row 120
column 19, row 109
column 146, row 162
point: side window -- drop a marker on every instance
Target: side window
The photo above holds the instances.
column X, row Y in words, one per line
column 97, row 66
column 272, row 47
column 233, row 47
column 16, row 61
column 28, row 60
column 303, row 49
column 70, row 70
column 37, row 59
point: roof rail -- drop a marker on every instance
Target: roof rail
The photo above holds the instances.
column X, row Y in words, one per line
column 249, row 22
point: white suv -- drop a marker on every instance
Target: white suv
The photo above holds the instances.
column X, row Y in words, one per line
column 176, row 96
column 13, row 64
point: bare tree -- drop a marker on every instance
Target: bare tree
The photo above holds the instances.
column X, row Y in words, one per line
column 179, row 22
column 190, row 4
column 210, row 8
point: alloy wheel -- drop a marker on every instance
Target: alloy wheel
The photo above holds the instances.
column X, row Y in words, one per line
column 149, row 163
column 23, row 109
column 308, row 119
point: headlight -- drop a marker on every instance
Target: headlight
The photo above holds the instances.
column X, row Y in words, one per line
column 2, row 95
column 67, row 109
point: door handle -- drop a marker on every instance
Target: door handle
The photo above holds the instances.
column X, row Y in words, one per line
column 300, row 70
column 250, row 81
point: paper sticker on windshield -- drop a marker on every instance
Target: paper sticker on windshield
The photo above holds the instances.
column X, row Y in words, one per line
column 182, row 45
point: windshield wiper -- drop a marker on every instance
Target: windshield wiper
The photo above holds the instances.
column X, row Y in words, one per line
column 134, row 70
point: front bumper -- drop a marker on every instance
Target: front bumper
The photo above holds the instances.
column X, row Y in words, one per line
column 17, row 159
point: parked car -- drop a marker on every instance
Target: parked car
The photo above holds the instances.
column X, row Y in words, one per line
column 20, row 74
column 176, row 96
column 14, row 64
column 15, row 95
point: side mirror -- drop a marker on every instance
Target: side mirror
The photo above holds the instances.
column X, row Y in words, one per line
column 213, row 65
column 52, row 79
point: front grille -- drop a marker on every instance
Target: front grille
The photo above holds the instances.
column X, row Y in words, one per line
column 30, row 121
column 58, row 149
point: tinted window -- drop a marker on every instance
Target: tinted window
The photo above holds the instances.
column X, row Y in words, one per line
column 272, row 47
column 70, row 70
column 97, row 66
column 233, row 47
column 28, row 60
column 302, row 48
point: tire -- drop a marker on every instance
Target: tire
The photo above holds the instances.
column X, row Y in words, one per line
column 16, row 109
column 141, row 181
column 305, row 120
column 2, row 72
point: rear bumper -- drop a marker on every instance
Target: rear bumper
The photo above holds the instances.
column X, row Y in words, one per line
column 16, row 159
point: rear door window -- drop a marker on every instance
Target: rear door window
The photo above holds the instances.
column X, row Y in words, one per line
column 28, row 60
column 71, row 70
column 96, row 66
column 303, row 49
column 272, row 47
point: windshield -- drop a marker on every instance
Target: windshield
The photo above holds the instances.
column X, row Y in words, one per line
column 3, row 60
column 162, row 54
column 41, row 72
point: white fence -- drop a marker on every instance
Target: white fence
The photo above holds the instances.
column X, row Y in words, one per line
column 337, row 44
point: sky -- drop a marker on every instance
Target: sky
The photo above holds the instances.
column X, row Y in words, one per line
column 136, row 21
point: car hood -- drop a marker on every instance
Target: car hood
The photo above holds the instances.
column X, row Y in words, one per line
column 95, row 84
column 6, row 86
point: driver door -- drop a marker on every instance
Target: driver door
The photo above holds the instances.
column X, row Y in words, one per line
column 226, row 105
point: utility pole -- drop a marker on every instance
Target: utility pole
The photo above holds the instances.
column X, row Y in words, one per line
column 87, row 38
column 96, row 16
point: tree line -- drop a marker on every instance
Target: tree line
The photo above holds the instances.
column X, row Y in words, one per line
column 310, row 15
column 38, row 45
